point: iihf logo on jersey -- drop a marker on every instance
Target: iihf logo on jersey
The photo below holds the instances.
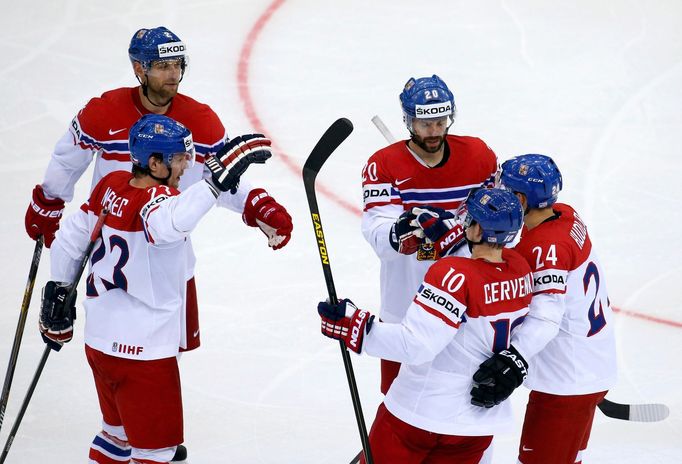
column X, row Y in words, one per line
column 114, row 347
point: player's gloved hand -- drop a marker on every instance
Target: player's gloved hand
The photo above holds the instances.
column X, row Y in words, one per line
column 406, row 235
column 231, row 161
column 57, row 315
column 344, row 321
column 262, row 211
column 43, row 215
column 441, row 228
column 497, row 377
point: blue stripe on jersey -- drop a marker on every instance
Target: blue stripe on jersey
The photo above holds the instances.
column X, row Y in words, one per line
column 428, row 196
column 110, row 147
column 110, row 447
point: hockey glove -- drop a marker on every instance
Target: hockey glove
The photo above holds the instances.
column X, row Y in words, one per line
column 231, row 161
column 497, row 377
column 441, row 228
column 57, row 315
column 344, row 321
column 43, row 215
column 262, row 211
column 405, row 235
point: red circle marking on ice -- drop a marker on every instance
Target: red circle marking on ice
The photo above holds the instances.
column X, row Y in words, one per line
column 249, row 107
column 295, row 168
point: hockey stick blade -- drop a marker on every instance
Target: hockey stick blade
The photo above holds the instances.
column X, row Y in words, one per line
column 330, row 141
column 634, row 412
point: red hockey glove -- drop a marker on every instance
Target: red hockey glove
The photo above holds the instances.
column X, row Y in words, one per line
column 344, row 321
column 56, row 315
column 43, row 215
column 441, row 228
column 262, row 211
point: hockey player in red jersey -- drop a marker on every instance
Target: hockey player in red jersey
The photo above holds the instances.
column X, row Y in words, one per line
column 462, row 313
column 432, row 171
column 100, row 131
column 568, row 336
column 136, row 286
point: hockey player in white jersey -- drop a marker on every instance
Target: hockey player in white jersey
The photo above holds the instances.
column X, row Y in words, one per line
column 136, row 286
column 568, row 336
column 462, row 313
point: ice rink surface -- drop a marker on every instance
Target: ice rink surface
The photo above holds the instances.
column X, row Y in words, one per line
column 596, row 84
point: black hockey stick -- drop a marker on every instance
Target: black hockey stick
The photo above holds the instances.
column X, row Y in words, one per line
column 330, row 140
column 634, row 412
column 46, row 352
column 19, row 333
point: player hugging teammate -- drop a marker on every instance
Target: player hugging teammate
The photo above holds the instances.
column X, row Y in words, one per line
column 458, row 335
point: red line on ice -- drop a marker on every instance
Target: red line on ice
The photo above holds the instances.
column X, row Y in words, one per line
column 250, row 109
column 294, row 167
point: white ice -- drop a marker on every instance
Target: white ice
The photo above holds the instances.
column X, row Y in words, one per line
column 594, row 83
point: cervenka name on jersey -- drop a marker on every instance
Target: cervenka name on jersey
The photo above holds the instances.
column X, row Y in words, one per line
column 440, row 304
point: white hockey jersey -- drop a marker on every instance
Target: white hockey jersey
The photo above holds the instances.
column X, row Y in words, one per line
column 395, row 180
column 570, row 291
column 135, row 305
column 463, row 312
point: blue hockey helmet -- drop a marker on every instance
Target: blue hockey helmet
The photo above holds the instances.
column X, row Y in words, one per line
column 426, row 98
column 157, row 134
column 156, row 44
column 536, row 176
column 497, row 211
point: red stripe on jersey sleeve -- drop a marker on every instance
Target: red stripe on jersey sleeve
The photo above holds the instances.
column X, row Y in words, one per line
column 438, row 314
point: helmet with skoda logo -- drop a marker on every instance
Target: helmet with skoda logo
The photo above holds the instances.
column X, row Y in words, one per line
column 426, row 98
column 155, row 134
column 157, row 44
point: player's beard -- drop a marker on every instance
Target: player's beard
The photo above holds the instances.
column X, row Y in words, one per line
column 161, row 94
column 432, row 146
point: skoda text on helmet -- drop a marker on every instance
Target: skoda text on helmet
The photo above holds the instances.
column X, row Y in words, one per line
column 156, row 44
column 154, row 134
column 536, row 176
column 426, row 98
column 497, row 211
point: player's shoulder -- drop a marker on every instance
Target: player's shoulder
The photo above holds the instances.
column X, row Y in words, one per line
column 199, row 118
column 516, row 262
column 558, row 229
column 107, row 117
column 467, row 145
column 185, row 106
column 109, row 99
column 451, row 264
column 389, row 151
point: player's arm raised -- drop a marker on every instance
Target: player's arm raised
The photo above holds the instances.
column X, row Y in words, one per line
column 258, row 207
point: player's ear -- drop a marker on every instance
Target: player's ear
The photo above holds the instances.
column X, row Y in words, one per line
column 138, row 69
column 522, row 199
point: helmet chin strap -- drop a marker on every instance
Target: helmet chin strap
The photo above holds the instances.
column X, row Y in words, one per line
column 146, row 95
column 162, row 180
